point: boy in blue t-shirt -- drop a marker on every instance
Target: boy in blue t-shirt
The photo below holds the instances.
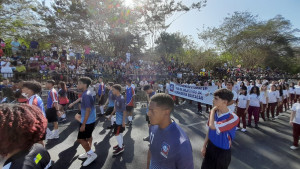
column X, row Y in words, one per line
column 222, row 124
column 120, row 111
column 169, row 146
column 87, row 123
column 110, row 104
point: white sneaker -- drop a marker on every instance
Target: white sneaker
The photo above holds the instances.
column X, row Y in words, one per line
column 55, row 135
column 83, row 156
column 294, row 147
column 276, row 117
column 243, row 130
column 90, row 159
column 237, row 128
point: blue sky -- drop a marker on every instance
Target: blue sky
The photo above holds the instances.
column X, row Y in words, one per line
column 216, row 10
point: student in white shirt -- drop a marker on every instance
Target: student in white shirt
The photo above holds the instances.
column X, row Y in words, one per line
column 232, row 103
column 285, row 96
column 297, row 88
column 292, row 93
column 273, row 101
column 295, row 122
column 241, row 107
column 264, row 99
column 253, row 106
column 280, row 104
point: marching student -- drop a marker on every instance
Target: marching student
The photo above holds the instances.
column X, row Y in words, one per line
column 169, row 146
column 285, row 96
column 264, row 99
column 20, row 149
column 150, row 92
column 280, row 99
column 130, row 103
column 30, row 91
column 232, row 103
column 110, row 104
column 241, row 107
column 292, row 93
column 62, row 100
column 222, row 123
column 253, row 106
column 295, row 122
column 273, row 96
column 87, row 121
column 52, row 108
column 120, row 111
column 101, row 95
column 297, row 91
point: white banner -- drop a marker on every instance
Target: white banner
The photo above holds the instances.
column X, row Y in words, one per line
column 203, row 94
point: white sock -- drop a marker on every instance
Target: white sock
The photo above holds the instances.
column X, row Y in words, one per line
column 130, row 118
column 102, row 109
column 112, row 120
column 120, row 140
column 48, row 131
column 63, row 116
column 55, row 131
column 90, row 152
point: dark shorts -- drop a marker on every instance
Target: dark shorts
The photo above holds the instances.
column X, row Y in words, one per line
column 109, row 110
column 51, row 115
column 118, row 129
column 129, row 108
column 89, row 128
column 215, row 157
column 102, row 100
column 147, row 119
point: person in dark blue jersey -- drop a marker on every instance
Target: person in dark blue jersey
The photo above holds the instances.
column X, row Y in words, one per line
column 169, row 146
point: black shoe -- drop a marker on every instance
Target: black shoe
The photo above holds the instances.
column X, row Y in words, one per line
column 110, row 127
column 146, row 138
column 256, row 126
column 129, row 123
column 249, row 125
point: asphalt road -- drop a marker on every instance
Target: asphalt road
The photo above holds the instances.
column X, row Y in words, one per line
column 263, row 148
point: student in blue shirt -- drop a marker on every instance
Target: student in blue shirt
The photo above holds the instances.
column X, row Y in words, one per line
column 120, row 111
column 150, row 92
column 169, row 146
column 87, row 123
column 222, row 124
column 110, row 104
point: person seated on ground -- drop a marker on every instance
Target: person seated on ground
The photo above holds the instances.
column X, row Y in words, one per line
column 21, row 149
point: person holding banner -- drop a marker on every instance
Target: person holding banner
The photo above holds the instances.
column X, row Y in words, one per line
column 222, row 125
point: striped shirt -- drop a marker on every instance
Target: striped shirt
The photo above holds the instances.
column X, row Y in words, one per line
column 225, row 130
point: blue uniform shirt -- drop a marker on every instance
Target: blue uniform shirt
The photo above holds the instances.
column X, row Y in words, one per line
column 129, row 96
column 87, row 101
column 225, row 130
column 37, row 101
column 170, row 148
column 101, row 89
column 111, row 99
column 52, row 98
column 120, row 107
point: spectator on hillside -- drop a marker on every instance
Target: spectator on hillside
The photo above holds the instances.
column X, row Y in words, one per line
column 6, row 69
column 20, row 68
column 23, row 48
column 34, row 66
column 15, row 46
column 34, row 46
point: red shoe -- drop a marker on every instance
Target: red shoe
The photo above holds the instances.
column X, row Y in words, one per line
column 118, row 151
column 117, row 146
